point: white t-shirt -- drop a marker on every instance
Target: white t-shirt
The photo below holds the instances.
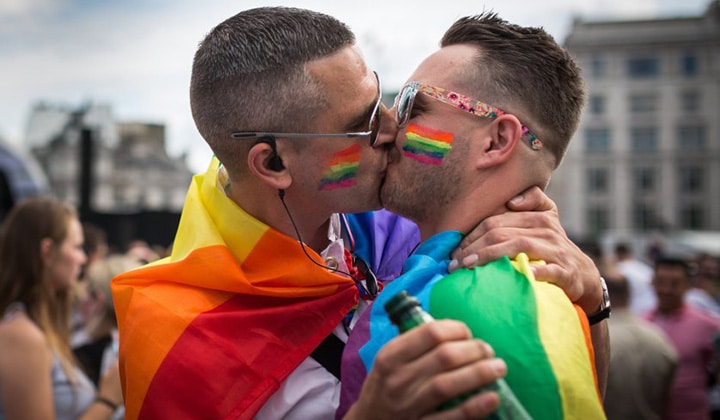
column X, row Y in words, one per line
column 639, row 276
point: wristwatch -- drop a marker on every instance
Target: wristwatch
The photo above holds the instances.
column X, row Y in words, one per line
column 604, row 311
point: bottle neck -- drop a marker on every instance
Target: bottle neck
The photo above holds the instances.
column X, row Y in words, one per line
column 412, row 318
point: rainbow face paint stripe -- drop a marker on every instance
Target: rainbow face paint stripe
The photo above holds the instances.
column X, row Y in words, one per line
column 343, row 168
column 426, row 145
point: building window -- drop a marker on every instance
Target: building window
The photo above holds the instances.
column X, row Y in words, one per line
column 598, row 219
column 643, row 217
column 597, row 67
column 643, row 140
column 690, row 101
column 597, row 104
column 691, row 179
column 597, row 179
column 597, row 140
column 642, row 67
column 689, row 64
column 692, row 217
column 643, row 103
column 692, row 138
column 644, row 180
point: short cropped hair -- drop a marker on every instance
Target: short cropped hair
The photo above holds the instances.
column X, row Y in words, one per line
column 675, row 262
column 522, row 70
column 248, row 73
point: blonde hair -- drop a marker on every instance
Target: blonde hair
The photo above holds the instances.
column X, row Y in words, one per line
column 98, row 277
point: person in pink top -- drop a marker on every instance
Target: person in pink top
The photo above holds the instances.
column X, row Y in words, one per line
column 692, row 333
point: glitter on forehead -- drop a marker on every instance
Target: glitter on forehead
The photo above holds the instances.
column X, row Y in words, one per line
column 472, row 106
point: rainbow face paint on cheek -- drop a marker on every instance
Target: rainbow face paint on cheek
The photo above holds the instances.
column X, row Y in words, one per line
column 342, row 170
column 426, row 145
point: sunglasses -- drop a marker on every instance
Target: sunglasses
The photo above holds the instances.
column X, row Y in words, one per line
column 371, row 133
column 406, row 98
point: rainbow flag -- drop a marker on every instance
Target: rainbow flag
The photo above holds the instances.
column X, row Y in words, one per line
column 532, row 325
column 426, row 145
column 214, row 329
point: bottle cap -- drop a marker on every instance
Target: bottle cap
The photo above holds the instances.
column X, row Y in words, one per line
column 400, row 303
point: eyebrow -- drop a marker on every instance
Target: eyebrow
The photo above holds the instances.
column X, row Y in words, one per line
column 362, row 120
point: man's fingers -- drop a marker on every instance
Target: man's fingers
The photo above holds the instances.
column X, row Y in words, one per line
column 501, row 227
column 458, row 368
column 532, row 199
column 553, row 273
column 462, row 380
column 419, row 341
column 428, row 365
column 497, row 243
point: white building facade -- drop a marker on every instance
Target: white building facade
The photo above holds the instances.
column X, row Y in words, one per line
column 646, row 156
column 129, row 168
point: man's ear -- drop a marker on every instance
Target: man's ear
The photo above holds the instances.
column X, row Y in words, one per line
column 265, row 163
column 504, row 135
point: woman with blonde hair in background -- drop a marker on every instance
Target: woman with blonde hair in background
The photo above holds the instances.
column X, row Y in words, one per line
column 41, row 256
column 98, row 314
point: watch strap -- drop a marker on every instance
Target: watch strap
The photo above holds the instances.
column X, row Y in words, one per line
column 604, row 311
column 599, row 316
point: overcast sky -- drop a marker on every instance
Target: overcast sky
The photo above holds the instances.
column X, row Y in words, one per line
column 136, row 54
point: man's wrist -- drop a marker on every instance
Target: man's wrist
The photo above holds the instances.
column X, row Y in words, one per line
column 603, row 311
column 106, row 402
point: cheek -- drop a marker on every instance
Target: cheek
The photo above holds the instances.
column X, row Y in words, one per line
column 426, row 145
column 80, row 257
column 71, row 263
column 341, row 169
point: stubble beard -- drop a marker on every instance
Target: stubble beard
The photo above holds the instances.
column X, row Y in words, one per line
column 422, row 196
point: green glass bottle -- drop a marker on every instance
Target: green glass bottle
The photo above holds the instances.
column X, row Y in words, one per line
column 406, row 313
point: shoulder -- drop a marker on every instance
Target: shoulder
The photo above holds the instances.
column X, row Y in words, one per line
column 20, row 330
column 646, row 330
column 705, row 318
column 22, row 343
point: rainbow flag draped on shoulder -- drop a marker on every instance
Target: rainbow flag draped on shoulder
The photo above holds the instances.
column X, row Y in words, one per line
column 214, row 329
column 532, row 325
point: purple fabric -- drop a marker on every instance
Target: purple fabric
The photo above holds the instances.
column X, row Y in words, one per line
column 353, row 371
column 692, row 333
column 385, row 240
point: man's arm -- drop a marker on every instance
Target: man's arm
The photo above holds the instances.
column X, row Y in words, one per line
column 601, row 344
column 533, row 226
column 431, row 364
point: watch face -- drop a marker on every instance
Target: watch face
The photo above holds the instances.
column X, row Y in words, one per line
column 606, row 295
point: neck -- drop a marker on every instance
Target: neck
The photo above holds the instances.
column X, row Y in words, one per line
column 267, row 207
column 466, row 211
column 670, row 311
column 461, row 216
column 483, row 194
